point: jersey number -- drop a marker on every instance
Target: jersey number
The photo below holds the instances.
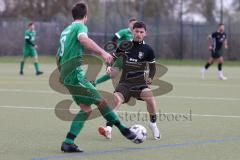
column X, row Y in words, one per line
column 62, row 41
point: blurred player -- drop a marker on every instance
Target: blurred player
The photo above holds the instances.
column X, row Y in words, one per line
column 73, row 40
column 29, row 49
column 119, row 37
column 215, row 43
column 133, row 82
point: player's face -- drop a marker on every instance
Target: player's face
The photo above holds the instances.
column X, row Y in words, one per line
column 221, row 28
column 32, row 27
column 139, row 34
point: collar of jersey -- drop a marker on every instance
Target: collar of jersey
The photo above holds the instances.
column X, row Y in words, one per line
column 77, row 22
column 142, row 42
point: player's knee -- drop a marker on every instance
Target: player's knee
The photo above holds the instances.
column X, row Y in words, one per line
column 147, row 93
column 36, row 58
column 118, row 99
column 86, row 108
column 210, row 62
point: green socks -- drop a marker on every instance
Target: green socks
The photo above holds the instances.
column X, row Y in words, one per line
column 21, row 66
column 76, row 126
column 112, row 118
column 36, row 65
column 81, row 118
column 102, row 79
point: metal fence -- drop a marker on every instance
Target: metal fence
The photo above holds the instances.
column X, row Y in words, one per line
column 169, row 39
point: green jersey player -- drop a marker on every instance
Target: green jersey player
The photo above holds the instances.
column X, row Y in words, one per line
column 29, row 49
column 119, row 37
column 73, row 40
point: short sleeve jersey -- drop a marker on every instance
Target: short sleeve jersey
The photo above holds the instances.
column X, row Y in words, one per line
column 218, row 40
column 135, row 61
column 70, row 47
column 29, row 35
column 124, row 35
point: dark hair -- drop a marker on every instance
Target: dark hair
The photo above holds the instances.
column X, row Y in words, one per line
column 221, row 24
column 140, row 24
column 132, row 19
column 30, row 24
column 79, row 11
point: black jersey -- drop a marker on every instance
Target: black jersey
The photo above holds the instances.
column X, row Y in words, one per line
column 135, row 62
column 218, row 40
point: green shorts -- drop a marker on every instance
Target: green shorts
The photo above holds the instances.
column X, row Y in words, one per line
column 29, row 52
column 82, row 91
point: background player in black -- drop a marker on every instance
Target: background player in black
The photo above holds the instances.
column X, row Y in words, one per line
column 215, row 43
column 133, row 82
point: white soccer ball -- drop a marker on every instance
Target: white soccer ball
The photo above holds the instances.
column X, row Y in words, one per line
column 141, row 133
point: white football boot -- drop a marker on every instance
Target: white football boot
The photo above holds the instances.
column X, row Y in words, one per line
column 203, row 71
column 221, row 76
column 155, row 131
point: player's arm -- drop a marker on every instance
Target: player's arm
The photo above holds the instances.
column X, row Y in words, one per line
column 152, row 70
column 28, row 40
column 226, row 43
column 210, row 42
column 151, row 65
column 91, row 45
column 118, row 35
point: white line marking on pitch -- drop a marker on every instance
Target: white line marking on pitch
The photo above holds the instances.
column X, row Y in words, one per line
column 196, row 115
column 172, row 97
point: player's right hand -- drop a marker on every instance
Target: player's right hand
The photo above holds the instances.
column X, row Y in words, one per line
column 109, row 69
column 210, row 48
column 107, row 57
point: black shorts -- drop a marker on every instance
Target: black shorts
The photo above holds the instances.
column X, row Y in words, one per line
column 129, row 90
column 216, row 54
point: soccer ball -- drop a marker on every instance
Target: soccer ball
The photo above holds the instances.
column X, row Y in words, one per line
column 141, row 133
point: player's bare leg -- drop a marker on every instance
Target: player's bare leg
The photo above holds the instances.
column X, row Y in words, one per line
column 204, row 69
column 148, row 97
column 220, row 72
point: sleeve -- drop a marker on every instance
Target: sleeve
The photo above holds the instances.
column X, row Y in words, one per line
column 213, row 35
column 120, row 33
column 115, row 38
column 27, row 38
column 82, row 31
column 150, row 56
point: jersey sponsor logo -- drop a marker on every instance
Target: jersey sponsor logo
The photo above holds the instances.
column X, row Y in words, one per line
column 140, row 55
column 133, row 60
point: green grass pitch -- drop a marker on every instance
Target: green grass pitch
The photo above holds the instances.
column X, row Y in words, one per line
column 30, row 130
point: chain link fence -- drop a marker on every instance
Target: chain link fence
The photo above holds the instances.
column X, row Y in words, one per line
column 168, row 39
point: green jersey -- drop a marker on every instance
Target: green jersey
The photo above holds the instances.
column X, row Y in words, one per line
column 70, row 47
column 30, row 37
column 124, row 35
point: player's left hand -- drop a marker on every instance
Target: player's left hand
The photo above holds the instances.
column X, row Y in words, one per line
column 109, row 69
column 149, row 81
